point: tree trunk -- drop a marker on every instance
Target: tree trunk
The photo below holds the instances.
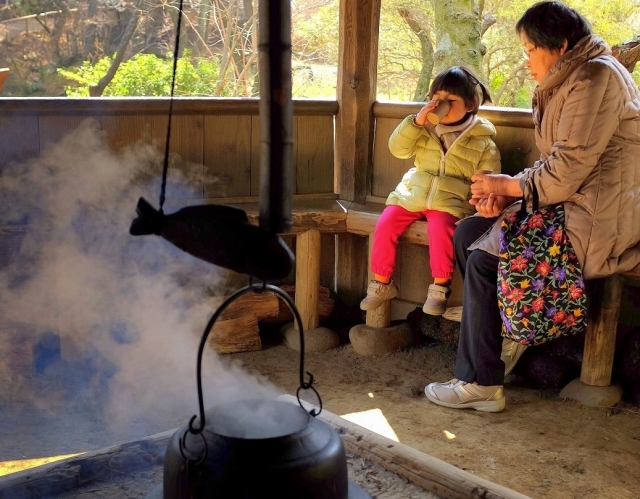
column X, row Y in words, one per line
column 58, row 27
column 174, row 11
column 458, row 39
column 89, row 35
column 227, row 22
column 95, row 90
column 246, row 58
column 515, row 73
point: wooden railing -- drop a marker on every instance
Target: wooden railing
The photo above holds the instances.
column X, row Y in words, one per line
column 221, row 136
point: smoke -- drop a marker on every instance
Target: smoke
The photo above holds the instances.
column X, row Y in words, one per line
column 114, row 319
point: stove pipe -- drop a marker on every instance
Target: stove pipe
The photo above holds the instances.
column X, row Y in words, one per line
column 276, row 115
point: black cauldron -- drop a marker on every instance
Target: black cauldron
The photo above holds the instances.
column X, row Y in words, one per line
column 257, row 448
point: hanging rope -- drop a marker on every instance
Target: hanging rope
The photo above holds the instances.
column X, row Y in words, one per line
column 165, row 167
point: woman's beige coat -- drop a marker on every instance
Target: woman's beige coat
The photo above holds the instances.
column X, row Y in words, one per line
column 586, row 113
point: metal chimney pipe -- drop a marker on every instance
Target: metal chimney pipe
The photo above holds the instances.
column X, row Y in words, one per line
column 276, row 115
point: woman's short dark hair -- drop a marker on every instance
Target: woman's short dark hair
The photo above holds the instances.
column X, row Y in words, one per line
column 461, row 81
column 549, row 24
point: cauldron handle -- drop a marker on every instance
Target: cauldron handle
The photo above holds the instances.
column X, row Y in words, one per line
column 258, row 288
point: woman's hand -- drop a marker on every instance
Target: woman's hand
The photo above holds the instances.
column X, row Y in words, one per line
column 498, row 184
column 491, row 205
column 421, row 117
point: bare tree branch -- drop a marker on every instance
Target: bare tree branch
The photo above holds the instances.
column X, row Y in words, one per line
column 628, row 53
column 426, row 48
column 95, row 90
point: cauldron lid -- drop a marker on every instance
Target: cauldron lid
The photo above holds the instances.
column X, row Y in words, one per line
column 256, row 419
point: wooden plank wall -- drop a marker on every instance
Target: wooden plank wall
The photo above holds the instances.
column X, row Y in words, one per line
column 215, row 141
column 514, row 138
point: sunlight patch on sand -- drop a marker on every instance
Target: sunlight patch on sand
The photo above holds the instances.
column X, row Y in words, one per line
column 373, row 420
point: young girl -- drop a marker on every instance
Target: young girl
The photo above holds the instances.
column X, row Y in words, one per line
column 437, row 187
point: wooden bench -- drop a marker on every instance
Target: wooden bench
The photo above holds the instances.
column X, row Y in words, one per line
column 361, row 220
column 313, row 217
column 593, row 387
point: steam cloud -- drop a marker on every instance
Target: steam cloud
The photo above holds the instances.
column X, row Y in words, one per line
column 128, row 311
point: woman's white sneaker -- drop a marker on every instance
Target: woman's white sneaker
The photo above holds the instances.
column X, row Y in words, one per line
column 458, row 394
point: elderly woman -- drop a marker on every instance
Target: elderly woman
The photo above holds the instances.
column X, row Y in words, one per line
column 586, row 110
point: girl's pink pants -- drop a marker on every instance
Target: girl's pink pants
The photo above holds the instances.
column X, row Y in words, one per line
column 394, row 220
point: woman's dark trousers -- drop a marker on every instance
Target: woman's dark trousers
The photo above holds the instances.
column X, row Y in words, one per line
column 480, row 343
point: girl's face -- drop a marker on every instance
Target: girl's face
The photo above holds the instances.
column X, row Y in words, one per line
column 458, row 109
column 539, row 60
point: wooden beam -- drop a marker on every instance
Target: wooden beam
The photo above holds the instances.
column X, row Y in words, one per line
column 356, row 92
column 94, row 106
column 70, row 474
column 85, row 473
column 428, row 472
column 499, row 116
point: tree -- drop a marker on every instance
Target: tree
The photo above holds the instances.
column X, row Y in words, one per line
column 418, row 38
column 458, row 36
column 96, row 89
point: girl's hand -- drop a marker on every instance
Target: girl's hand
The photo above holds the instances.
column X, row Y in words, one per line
column 499, row 184
column 421, row 117
column 491, row 206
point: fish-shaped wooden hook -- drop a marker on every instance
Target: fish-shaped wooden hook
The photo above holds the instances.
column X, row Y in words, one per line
column 221, row 235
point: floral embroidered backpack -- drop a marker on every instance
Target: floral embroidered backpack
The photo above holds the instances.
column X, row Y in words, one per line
column 541, row 293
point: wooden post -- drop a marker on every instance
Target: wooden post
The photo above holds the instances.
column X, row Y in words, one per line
column 600, row 340
column 356, row 93
column 381, row 316
column 307, row 296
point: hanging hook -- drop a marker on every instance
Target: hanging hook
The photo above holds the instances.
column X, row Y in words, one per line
column 258, row 288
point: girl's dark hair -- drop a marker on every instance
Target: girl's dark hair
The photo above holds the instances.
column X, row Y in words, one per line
column 461, row 81
column 549, row 24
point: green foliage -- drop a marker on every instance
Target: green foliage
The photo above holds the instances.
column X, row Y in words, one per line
column 314, row 34
column 399, row 51
column 146, row 75
column 314, row 37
